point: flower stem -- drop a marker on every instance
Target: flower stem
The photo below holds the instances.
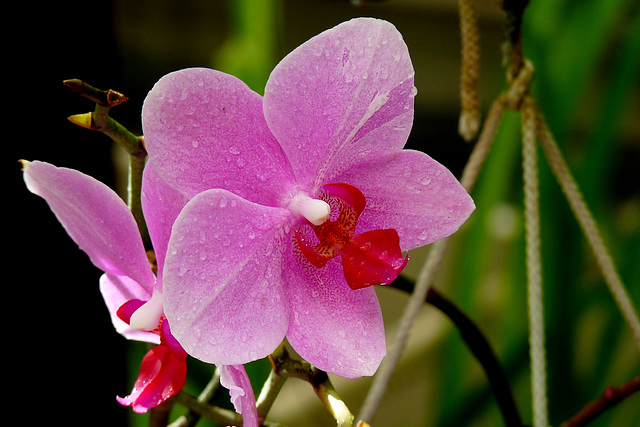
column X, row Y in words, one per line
column 478, row 345
column 99, row 120
column 285, row 366
column 610, row 397
column 192, row 417
column 220, row 415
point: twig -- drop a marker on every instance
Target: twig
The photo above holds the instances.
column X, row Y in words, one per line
column 220, row 415
column 99, row 120
column 285, row 366
column 479, row 346
column 192, row 417
column 481, row 349
column 610, row 397
column 269, row 392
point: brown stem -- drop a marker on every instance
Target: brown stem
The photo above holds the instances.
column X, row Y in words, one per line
column 608, row 399
column 479, row 347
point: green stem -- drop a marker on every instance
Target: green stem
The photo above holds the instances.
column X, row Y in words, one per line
column 219, row 415
column 285, row 366
column 269, row 392
column 99, row 120
column 192, row 417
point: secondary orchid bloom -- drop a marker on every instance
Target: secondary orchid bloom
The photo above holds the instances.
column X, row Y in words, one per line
column 97, row 219
column 298, row 201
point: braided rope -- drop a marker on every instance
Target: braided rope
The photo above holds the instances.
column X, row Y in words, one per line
column 589, row 227
column 469, row 122
column 534, row 264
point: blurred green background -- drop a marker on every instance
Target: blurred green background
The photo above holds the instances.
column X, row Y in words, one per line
column 587, row 59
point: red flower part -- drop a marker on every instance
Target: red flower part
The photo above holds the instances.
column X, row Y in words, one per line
column 127, row 309
column 163, row 370
column 370, row 258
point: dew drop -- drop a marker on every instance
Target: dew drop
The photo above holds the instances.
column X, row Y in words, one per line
column 366, row 246
column 223, row 202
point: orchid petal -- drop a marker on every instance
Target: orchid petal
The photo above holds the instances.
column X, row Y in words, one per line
column 222, row 278
column 117, row 291
column 413, row 194
column 236, row 380
column 332, row 326
column 341, row 98
column 205, row 129
column 80, row 202
column 161, row 205
column 162, row 375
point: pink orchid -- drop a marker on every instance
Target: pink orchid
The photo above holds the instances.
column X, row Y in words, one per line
column 298, row 201
column 97, row 219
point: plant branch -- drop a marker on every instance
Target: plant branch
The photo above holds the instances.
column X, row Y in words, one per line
column 285, row 366
column 99, row 120
column 610, row 397
column 220, row 415
column 479, row 347
column 192, row 417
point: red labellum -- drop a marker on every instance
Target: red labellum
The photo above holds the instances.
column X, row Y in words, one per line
column 371, row 258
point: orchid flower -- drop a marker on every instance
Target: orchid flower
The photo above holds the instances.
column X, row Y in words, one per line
column 97, row 219
column 298, row 201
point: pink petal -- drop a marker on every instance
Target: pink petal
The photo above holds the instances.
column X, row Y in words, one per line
column 116, row 291
column 95, row 217
column 205, row 129
column 413, row 194
column 341, row 98
column 236, row 380
column 223, row 290
column 332, row 326
column 161, row 205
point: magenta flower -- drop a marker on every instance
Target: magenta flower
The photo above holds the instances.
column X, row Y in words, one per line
column 298, row 201
column 97, row 219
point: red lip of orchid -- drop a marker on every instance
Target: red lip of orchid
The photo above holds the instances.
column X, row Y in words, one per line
column 163, row 371
column 371, row 258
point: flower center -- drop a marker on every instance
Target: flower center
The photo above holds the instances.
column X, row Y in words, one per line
column 148, row 315
column 370, row 258
column 313, row 210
